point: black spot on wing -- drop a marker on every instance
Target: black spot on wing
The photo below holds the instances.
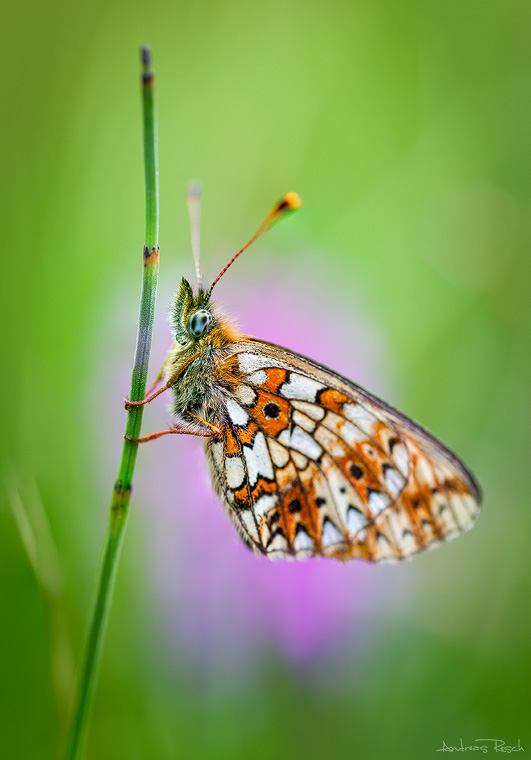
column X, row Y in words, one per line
column 294, row 506
column 356, row 471
column 271, row 410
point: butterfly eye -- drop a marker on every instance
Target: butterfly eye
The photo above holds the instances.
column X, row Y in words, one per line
column 198, row 323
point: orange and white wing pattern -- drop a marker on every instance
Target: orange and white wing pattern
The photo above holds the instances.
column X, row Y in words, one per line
column 312, row 465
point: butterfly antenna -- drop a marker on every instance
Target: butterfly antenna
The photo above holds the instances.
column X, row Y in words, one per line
column 193, row 200
column 289, row 202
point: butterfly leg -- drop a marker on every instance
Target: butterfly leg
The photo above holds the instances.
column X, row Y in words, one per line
column 170, row 431
column 216, row 430
column 168, row 384
column 157, row 381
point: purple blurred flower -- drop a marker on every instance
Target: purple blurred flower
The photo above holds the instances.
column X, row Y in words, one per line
column 220, row 602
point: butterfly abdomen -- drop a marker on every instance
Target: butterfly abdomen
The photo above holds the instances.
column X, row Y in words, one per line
column 195, row 386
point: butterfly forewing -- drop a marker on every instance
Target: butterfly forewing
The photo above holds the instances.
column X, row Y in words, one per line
column 310, row 464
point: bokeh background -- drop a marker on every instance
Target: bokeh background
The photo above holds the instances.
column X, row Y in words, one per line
column 405, row 128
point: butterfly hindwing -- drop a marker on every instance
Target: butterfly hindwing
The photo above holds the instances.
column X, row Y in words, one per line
column 310, row 464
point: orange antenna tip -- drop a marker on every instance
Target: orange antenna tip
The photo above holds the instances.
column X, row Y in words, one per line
column 289, row 202
column 293, row 201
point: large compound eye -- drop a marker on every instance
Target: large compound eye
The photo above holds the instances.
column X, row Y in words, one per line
column 198, row 323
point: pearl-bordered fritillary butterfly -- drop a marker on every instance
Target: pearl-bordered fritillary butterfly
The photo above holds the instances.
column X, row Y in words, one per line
column 306, row 462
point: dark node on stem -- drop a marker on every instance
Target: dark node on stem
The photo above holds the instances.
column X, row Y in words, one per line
column 121, row 497
column 148, row 74
column 119, row 488
column 145, row 52
column 151, row 257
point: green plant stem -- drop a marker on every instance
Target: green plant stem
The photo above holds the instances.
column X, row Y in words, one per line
column 119, row 508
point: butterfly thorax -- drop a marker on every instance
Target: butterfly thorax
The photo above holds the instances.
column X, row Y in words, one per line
column 202, row 351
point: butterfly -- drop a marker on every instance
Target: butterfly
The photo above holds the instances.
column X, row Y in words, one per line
column 306, row 462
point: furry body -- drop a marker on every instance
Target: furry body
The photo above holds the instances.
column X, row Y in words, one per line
column 199, row 390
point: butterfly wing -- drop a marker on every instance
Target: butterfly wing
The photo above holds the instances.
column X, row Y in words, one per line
column 313, row 465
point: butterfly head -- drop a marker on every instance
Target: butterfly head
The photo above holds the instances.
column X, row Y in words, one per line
column 192, row 318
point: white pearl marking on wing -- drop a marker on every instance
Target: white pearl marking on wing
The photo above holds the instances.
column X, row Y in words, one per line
column 300, row 387
column 395, row 526
column 355, row 520
column 401, row 458
column 246, row 395
column 343, row 492
column 235, row 472
column 257, row 378
column 331, row 535
column 301, row 441
column 351, row 433
column 278, row 544
column 330, row 442
column 216, row 450
column 408, row 545
column 383, row 548
column 394, row 481
column 423, row 472
column 251, row 362
column 279, row 454
column 360, row 416
column 302, row 541
column 305, row 422
column 300, row 461
column 238, row 415
column 377, row 502
column 459, row 509
column 312, row 410
column 264, row 504
column 258, row 459
column 246, row 516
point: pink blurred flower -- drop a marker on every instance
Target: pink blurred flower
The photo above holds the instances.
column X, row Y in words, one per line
column 219, row 602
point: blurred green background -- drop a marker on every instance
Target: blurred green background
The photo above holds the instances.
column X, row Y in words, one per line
column 405, row 128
